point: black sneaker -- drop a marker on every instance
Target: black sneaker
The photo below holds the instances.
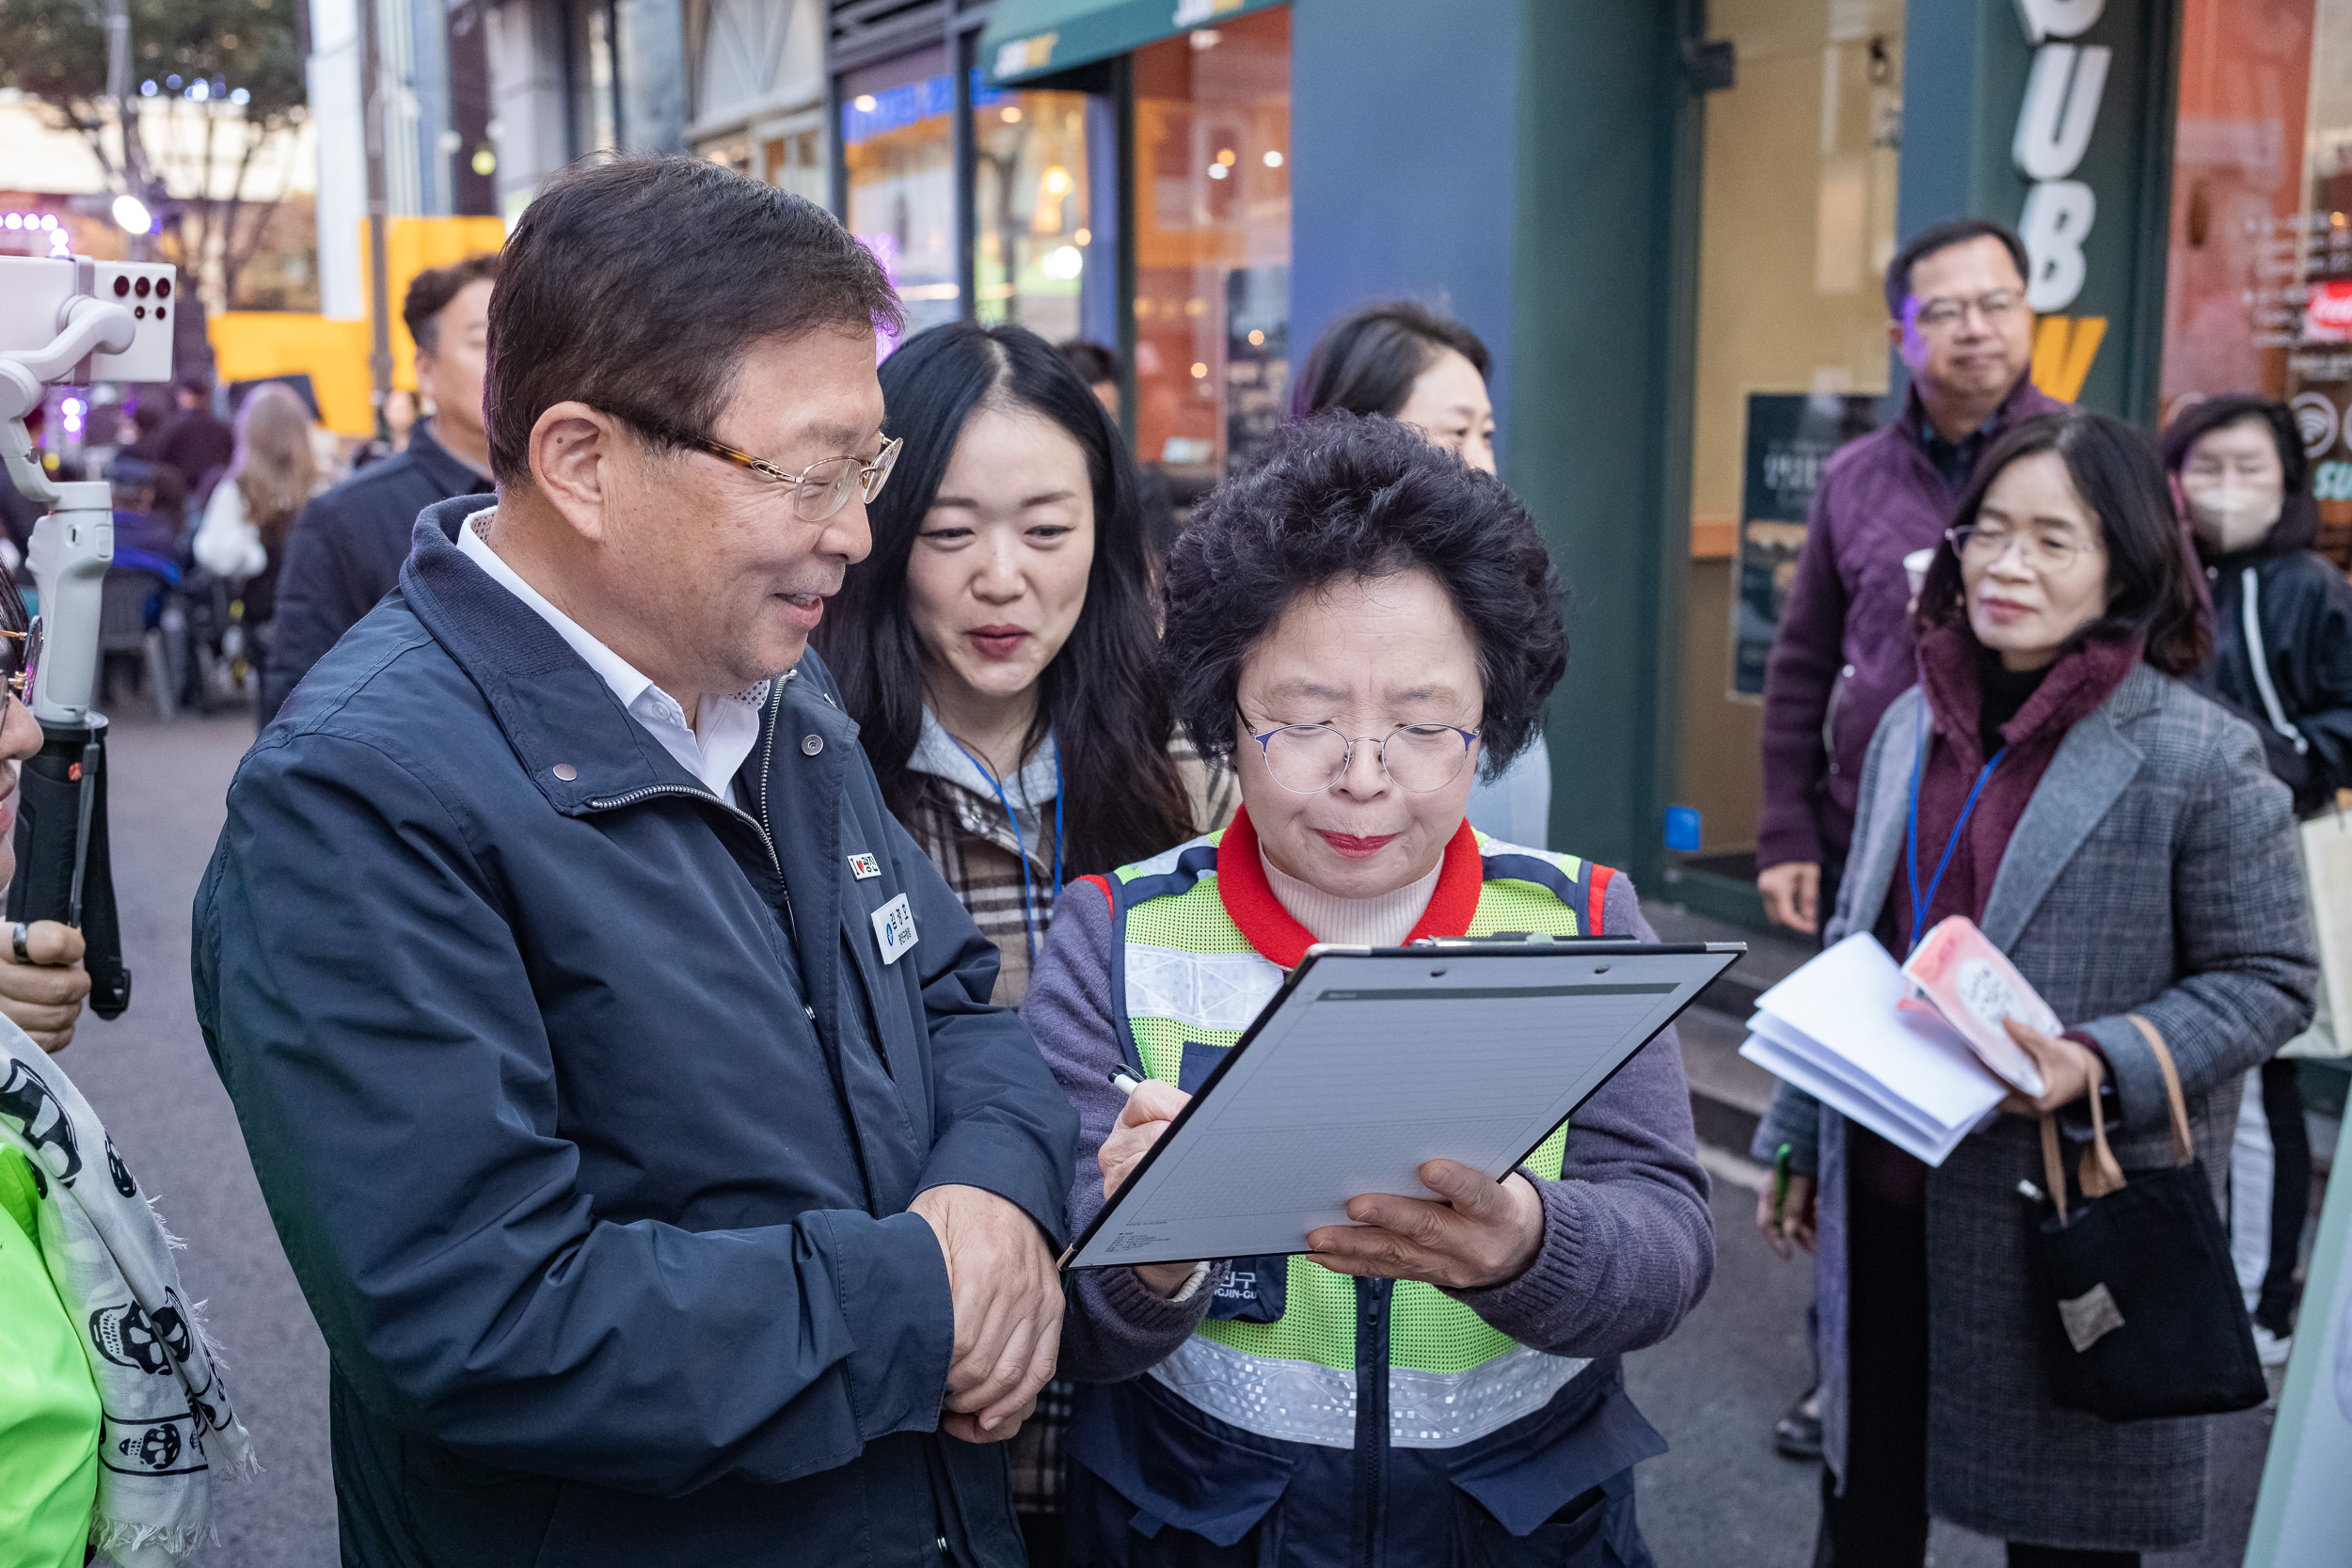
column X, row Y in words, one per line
column 1798, row 1434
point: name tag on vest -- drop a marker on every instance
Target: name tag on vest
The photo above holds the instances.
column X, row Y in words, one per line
column 894, row 929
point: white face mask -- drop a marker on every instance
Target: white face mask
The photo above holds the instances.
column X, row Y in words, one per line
column 2230, row 517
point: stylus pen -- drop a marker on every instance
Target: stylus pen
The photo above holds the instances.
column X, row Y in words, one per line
column 1123, row 1081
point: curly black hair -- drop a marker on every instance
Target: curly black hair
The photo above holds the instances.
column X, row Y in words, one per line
column 1338, row 497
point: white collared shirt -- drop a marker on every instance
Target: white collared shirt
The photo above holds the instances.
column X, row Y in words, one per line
column 729, row 726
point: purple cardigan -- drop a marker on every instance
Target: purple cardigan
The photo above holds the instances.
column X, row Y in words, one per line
column 1628, row 1239
column 1843, row 652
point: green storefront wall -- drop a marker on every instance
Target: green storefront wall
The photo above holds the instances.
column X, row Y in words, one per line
column 1028, row 38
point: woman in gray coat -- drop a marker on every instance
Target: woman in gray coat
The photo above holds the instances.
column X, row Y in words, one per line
column 2118, row 838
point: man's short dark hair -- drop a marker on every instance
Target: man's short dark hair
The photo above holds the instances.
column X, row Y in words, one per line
column 635, row 285
column 430, row 291
column 1337, row 497
column 1943, row 237
column 1094, row 362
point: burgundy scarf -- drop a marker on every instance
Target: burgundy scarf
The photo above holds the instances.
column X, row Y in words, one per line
column 2073, row 690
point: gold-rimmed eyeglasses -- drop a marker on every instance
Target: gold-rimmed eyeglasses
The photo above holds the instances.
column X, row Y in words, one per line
column 823, row 487
column 1307, row 759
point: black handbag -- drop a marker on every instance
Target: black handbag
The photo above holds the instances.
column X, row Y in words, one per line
column 2146, row 1319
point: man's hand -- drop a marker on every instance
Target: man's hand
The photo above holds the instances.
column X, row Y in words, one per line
column 1475, row 1232
column 2068, row 1069
column 1007, row 1305
column 1794, row 1226
column 1148, row 1113
column 1791, row 891
column 44, row 997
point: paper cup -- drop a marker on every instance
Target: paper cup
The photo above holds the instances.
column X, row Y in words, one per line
column 1916, row 567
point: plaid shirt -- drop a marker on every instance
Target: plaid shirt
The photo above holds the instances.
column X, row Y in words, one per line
column 962, row 827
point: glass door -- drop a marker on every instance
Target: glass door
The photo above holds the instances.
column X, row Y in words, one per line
column 1797, row 224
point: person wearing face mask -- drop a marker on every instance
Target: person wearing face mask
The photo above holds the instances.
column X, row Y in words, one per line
column 2053, row 777
column 1428, row 373
column 1363, row 625
column 2282, row 658
column 997, row 652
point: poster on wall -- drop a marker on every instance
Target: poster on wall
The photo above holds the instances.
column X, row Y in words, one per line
column 1791, row 438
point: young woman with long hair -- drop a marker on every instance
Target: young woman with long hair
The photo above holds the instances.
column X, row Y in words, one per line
column 253, row 506
column 1000, row 651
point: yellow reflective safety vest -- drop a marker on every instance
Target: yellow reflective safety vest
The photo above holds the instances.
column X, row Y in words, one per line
column 1195, row 955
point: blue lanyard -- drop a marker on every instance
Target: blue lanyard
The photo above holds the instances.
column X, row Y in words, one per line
column 1919, row 902
column 1028, row 892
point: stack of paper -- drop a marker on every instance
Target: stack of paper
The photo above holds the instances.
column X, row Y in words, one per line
column 1838, row 1029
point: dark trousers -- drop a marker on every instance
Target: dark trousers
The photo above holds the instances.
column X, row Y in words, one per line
column 1882, row 1521
column 2290, row 1192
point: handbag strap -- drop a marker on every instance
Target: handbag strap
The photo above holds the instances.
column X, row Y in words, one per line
column 2181, row 1145
column 2098, row 1173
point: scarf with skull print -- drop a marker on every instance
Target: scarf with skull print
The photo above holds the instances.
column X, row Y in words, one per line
column 166, row 1426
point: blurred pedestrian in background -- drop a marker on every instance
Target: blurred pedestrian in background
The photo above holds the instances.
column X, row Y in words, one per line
column 1360, row 621
column 190, row 438
column 270, row 475
column 1955, row 303
column 347, row 548
column 1102, row 370
column 2125, row 846
column 999, row 652
column 2282, row 661
column 1410, row 364
column 146, row 536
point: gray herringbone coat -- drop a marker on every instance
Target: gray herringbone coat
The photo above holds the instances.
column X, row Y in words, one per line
column 2153, row 872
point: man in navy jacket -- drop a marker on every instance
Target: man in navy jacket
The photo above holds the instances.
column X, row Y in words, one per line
column 621, row 1077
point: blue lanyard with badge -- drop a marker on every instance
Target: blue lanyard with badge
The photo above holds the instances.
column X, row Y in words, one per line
column 1028, row 891
column 1921, row 902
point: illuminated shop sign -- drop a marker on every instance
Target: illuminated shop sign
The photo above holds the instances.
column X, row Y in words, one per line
column 2055, row 125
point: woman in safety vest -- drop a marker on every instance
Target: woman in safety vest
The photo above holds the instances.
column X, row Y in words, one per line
column 1362, row 623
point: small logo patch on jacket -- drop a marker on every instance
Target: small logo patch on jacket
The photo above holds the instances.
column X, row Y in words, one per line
column 865, row 867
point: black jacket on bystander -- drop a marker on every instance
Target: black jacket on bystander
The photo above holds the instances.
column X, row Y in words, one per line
column 346, row 553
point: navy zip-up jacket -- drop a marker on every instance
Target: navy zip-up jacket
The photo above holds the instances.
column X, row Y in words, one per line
column 589, row 1112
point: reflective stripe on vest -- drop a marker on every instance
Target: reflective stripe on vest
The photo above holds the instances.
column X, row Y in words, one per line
column 1190, row 975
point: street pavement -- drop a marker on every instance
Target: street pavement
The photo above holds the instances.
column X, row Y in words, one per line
column 1719, row 1497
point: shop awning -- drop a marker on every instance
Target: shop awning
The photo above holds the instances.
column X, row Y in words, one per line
column 1028, row 38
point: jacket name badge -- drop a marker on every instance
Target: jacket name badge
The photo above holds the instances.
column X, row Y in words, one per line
column 864, row 868
column 894, row 929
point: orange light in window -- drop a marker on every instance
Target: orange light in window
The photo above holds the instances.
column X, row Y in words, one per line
column 1199, row 370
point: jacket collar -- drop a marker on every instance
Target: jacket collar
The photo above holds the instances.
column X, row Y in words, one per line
column 2095, row 762
column 449, row 475
column 2024, row 401
column 1278, row 936
column 557, row 713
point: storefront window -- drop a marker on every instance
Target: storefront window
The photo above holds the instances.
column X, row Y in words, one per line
column 898, row 142
column 596, row 108
column 1212, row 242
column 795, row 160
column 1797, row 209
column 1033, row 236
column 2259, row 287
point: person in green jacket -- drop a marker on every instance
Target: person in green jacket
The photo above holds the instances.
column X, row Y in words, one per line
column 88, row 1296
